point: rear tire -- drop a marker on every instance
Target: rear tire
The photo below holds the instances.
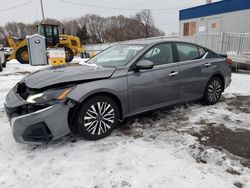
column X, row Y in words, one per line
column 22, row 55
column 69, row 55
column 213, row 91
column 97, row 117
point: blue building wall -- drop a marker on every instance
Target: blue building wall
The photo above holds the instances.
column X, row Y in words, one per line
column 220, row 7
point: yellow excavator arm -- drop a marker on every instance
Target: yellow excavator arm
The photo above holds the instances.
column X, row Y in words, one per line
column 15, row 44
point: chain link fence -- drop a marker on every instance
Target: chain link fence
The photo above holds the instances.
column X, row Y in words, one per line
column 230, row 43
column 236, row 45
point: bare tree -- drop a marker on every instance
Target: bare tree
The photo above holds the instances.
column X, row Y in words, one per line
column 146, row 21
column 31, row 29
column 115, row 28
column 22, row 32
column 12, row 29
column 2, row 36
column 49, row 21
column 96, row 27
column 82, row 33
column 93, row 28
column 70, row 27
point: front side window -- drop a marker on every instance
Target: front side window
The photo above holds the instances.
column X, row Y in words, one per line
column 160, row 54
column 118, row 55
column 187, row 52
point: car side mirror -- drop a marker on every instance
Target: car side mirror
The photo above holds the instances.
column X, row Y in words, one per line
column 143, row 65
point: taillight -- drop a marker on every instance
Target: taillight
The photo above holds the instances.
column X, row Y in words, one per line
column 229, row 61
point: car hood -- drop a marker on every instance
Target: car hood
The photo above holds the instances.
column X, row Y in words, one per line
column 70, row 73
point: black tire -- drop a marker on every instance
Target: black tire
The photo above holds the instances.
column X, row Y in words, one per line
column 69, row 54
column 93, row 123
column 213, row 91
column 5, row 60
column 19, row 55
column 4, row 64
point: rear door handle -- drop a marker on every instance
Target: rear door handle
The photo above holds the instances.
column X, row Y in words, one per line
column 173, row 73
column 207, row 64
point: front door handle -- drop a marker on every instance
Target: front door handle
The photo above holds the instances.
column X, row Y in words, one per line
column 207, row 64
column 173, row 73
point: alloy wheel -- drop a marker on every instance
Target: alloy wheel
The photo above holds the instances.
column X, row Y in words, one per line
column 99, row 118
column 214, row 90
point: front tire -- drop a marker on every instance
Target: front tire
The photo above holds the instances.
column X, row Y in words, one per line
column 213, row 91
column 97, row 117
column 22, row 55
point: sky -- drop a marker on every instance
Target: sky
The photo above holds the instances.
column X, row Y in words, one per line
column 165, row 12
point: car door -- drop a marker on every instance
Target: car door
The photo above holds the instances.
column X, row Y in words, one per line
column 194, row 70
column 157, row 86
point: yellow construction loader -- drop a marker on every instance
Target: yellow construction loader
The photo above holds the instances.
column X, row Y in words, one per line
column 53, row 39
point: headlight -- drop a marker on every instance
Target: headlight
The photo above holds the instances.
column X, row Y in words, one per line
column 49, row 95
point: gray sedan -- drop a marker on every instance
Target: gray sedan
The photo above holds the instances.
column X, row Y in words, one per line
column 124, row 80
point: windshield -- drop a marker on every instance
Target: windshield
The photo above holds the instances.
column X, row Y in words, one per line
column 115, row 56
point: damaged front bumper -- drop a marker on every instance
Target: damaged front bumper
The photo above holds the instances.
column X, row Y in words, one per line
column 36, row 124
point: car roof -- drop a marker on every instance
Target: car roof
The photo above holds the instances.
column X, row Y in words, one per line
column 152, row 42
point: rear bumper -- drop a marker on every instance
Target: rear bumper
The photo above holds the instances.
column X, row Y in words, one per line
column 36, row 126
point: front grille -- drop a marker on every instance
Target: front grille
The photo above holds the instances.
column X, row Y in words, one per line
column 22, row 110
column 13, row 112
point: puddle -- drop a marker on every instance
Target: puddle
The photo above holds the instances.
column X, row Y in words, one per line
column 236, row 142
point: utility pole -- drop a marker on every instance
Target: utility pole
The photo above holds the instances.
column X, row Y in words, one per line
column 41, row 1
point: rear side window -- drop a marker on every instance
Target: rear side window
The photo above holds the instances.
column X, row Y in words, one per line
column 187, row 51
column 160, row 54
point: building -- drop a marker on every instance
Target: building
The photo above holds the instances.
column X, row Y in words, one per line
column 222, row 16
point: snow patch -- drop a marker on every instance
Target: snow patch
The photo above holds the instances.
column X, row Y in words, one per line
column 152, row 150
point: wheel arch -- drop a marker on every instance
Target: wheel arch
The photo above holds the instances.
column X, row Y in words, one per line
column 218, row 74
column 74, row 110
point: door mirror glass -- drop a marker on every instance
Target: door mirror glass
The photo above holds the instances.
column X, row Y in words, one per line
column 143, row 65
